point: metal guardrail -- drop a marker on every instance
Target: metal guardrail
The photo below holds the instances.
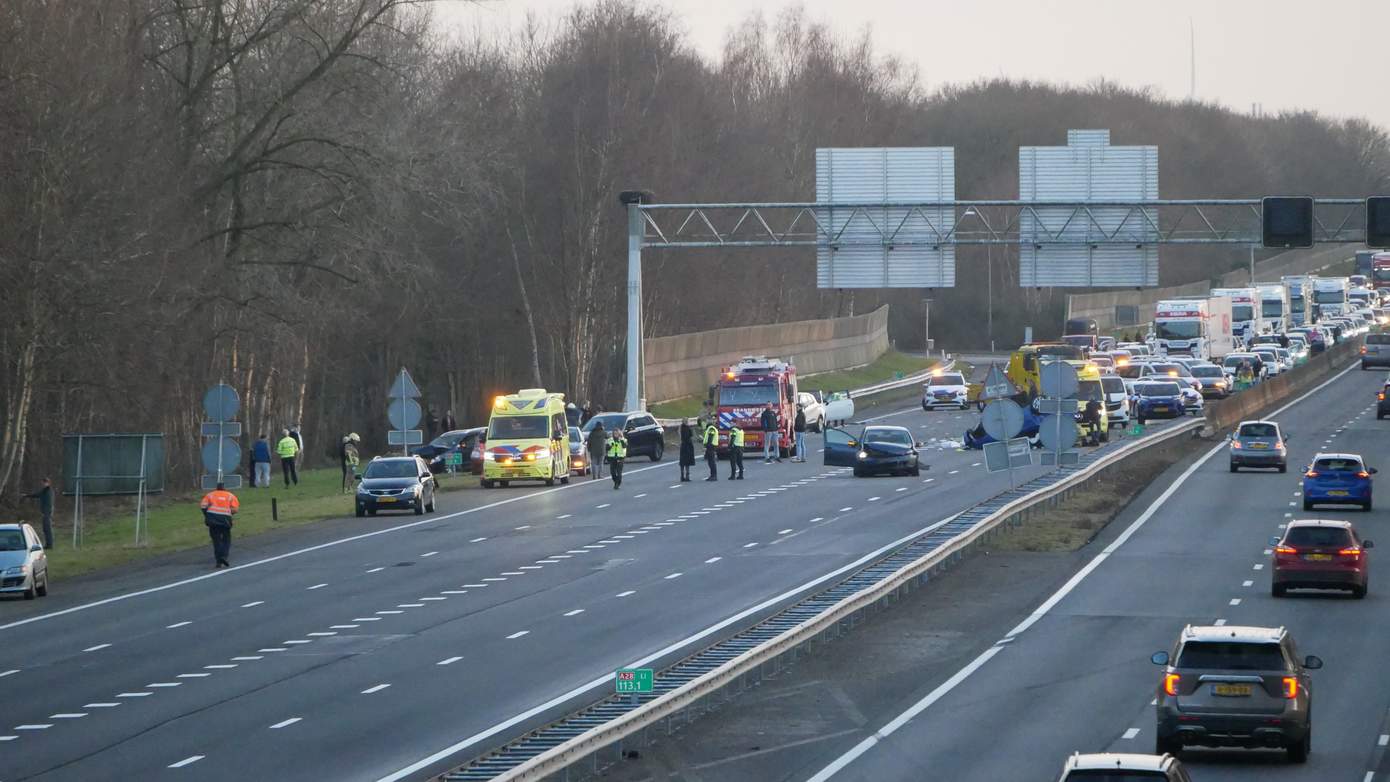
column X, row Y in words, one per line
column 561, row 744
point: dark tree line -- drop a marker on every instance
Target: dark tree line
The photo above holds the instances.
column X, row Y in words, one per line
column 297, row 197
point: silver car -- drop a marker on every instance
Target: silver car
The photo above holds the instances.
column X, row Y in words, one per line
column 1228, row 686
column 1116, row 766
column 1375, row 351
column 23, row 564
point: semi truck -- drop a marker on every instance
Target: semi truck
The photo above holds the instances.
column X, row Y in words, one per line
column 1365, row 260
column 1199, row 327
column 1302, row 310
column 1380, row 271
column 1330, row 294
column 1246, row 320
column 1274, row 306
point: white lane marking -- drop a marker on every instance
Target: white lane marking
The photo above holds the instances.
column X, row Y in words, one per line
column 639, row 496
column 248, row 658
column 376, row 688
column 928, row 480
column 1259, row 567
column 388, row 612
column 340, row 627
column 530, row 567
column 376, row 569
column 253, row 604
column 301, row 641
column 322, row 634
column 474, row 586
column 100, row 705
column 601, row 507
column 10, row 672
column 164, row 685
column 607, row 680
column 518, row 634
column 673, row 575
column 454, row 592
column 222, row 666
column 522, row 527
column 749, row 545
column 712, row 560
column 428, row 554
column 674, row 486
column 96, row 648
column 874, row 499
column 513, row 573
column 310, row 549
column 276, row 648
column 847, row 509
column 666, row 523
column 449, row 661
column 186, row 761
column 1247, row 583
column 1370, row 775
column 431, row 599
column 193, row 675
column 8, row 738
column 478, row 540
column 315, row 586
column 575, row 612
column 1235, row 601
column 1219, row 623
column 816, row 519
column 595, row 545
column 784, row 531
column 901, row 488
column 133, row 694
column 625, row 594
column 953, row 472
column 976, row 464
column 177, row 624
column 1131, row 733
column 564, row 515
column 494, row 579
column 410, row 605
column 73, row 715
column 285, row 723
column 1383, row 740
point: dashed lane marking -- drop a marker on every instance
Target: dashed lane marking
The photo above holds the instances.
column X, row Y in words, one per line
column 712, row 560
column 285, row 723
column 253, row 604
column 673, row 575
column 315, row 586
column 1130, row 734
column 575, row 612
column 625, row 594
column 518, row 634
column 177, row 624
column 186, row 761
column 96, row 648
column 449, row 661
column 375, row 688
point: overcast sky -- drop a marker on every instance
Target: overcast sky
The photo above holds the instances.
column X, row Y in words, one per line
column 1322, row 55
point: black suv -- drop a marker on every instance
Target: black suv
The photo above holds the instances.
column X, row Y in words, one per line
column 1383, row 401
column 1226, row 686
column 395, row 483
column 643, row 433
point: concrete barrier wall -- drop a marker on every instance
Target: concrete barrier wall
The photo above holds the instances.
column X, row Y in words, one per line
column 1223, row 414
column 1101, row 305
column 687, row 364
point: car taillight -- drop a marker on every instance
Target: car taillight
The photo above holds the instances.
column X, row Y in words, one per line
column 1290, row 687
column 1381, row 396
column 1363, row 474
column 1363, row 350
column 1286, row 550
column 1171, row 682
column 1353, row 553
column 1310, row 474
column 1235, row 444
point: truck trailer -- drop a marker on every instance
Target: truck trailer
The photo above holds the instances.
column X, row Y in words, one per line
column 1199, row 327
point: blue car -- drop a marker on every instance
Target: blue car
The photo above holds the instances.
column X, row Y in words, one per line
column 1337, row 479
column 977, row 437
column 1158, row 399
column 878, row 449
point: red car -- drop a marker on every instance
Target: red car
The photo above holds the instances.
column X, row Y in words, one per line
column 1319, row 555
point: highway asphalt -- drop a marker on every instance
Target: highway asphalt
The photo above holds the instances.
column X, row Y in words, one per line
column 410, row 645
column 1075, row 675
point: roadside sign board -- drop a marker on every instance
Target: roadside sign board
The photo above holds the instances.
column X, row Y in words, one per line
column 221, row 429
column 1002, row 419
column 221, row 402
column 1057, row 406
column 406, row 437
column 633, row 680
column 1008, row 455
column 1020, row 452
column 1058, row 380
column 230, row 481
column 404, row 412
column 1058, row 432
column 455, row 458
column 996, row 456
column 997, row 385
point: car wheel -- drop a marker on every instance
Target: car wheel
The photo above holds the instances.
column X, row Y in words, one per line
column 564, row 480
column 820, row 426
column 1307, row 505
column 1379, row 415
column 419, row 507
column 504, row 484
column 916, row 470
column 1283, row 468
column 1358, row 592
column 925, row 409
column 1366, row 506
column 31, row 592
column 371, row 511
column 42, row 589
column 550, row 481
column 1164, row 746
column 1298, row 753
column 361, row 511
column 1235, row 467
column 487, row 484
column 858, row 473
column 1278, row 590
column 658, row 451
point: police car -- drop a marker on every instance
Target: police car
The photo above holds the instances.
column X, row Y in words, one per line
column 945, row 389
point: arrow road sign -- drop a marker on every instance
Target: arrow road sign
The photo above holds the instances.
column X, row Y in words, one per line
column 404, row 413
column 997, row 385
column 404, row 387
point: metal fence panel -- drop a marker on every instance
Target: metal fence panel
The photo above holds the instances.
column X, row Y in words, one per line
column 867, row 256
column 1088, row 170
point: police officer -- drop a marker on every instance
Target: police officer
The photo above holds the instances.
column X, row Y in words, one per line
column 219, row 506
column 287, row 449
column 735, row 452
column 617, row 452
column 710, row 439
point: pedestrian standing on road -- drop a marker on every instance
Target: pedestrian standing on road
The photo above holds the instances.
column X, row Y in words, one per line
column 598, row 447
column 800, row 428
column 260, row 463
column 44, row 495
column 769, row 423
column 349, row 458
column 219, row 506
column 687, row 450
column 617, row 452
column 735, row 452
column 288, row 449
column 710, row 439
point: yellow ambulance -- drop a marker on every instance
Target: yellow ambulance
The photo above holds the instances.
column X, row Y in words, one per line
column 527, row 439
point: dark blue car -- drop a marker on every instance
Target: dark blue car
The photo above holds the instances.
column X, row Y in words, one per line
column 878, row 449
column 1337, row 479
column 977, row 437
column 1158, row 400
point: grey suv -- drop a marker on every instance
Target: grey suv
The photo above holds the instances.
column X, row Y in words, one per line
column 1235, row 687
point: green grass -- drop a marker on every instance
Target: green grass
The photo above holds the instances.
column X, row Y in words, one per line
column 176, row 523
column 885, row 368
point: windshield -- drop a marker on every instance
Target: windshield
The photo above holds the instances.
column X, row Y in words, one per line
column 11, row 540
column 1236, row 359
column 1382, row 274
column 1090, row 390
column 747, row 396
column 1178, row 329
column 1319, row 536
column 1243, row 312
column 1112, row 385
column 1337, row 464
column 1231, row 656
column 1157, row 389
column 1102, row 361
column 1207, row 372
column 519, row 427
column 1272, row 309
column 1172, row 370
column 391, row 468
column 894, row 436
column 1259, row 430
column 946, row 380
column 1295, row 304
column 610, row 422
column 1330, row 297
column 447, row 440
column 1061, row 351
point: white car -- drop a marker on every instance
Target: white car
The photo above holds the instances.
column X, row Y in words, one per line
column 23, row 564
column 814, row 408
column 839, row 408
column 945, row 389
column 1271, row 359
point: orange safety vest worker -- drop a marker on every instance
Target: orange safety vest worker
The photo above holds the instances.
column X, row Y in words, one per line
column 221, row 502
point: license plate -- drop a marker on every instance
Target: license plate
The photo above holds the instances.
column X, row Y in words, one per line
column 1337, row 493
column 1259, row 446
column 1318, row 557
column 1232, row 690
column 385, row 499
column 1160, row 408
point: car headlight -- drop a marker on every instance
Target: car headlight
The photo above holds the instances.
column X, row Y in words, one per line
column 489, row 456
column 18, row 570
column 863, row 454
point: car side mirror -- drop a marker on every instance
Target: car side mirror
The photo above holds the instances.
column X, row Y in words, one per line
column 425, row 476
column 1371, row 470
column 1286, row 438
column 1368, row 544
column 1312, row 662
column 36, row 548
column 1273, row 540
column 357, row 477
column 1159, row 658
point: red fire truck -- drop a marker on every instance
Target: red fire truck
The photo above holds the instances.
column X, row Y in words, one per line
column 743, row 392
column 1380, row 271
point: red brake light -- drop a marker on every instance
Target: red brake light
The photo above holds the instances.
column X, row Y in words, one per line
column 1381, row 396
column 1290, row 687
column 1235, row 445
column 1285, row 550
column 1170, row 683
column 1363, row 350
column 1310, row 474
column 1354, row 552
column 1363, row 474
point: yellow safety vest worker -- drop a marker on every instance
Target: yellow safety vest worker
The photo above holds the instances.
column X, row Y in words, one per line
column 287, row 447
column 617, row 448
column 736, row 437
column 221, row 502
column 711, row 436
